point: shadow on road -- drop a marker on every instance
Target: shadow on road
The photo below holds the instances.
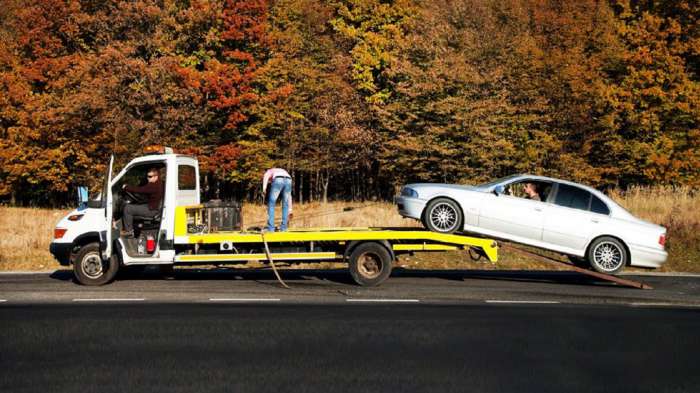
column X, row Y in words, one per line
column 341, row 276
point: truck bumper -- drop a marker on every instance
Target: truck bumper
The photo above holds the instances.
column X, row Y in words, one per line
column 61, row 251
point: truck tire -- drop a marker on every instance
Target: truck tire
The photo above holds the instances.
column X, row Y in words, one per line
column 90, row 269
column 607, row 255
column 370, row 264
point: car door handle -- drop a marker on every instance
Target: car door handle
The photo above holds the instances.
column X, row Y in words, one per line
column 538, row 209
column 595, row 220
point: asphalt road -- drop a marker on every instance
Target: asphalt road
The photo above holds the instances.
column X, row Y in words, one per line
column 333, row 287
column 231, row 331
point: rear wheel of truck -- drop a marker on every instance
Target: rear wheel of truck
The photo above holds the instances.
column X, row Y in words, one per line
column 370, row 264
column 90, row 269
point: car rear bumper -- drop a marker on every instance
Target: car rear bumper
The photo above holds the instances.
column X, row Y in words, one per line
column 647, row 257
column 61, row 251
column 410, row 207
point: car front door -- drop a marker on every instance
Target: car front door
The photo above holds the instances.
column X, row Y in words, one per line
column 512, row 216
column 569, row 223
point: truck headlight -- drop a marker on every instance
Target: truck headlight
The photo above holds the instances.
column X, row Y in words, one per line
column 409, row 192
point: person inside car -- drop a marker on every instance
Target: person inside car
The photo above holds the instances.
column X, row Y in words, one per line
column 531, row 192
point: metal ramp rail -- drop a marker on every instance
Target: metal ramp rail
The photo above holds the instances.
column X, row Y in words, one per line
column 571, row 266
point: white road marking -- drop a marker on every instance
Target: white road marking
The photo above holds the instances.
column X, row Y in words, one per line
column 109, row 300
column 2, row 300
column 243, row 300
column 523, row 301
column 662, row 304
column 660, row 274
column 384, row 300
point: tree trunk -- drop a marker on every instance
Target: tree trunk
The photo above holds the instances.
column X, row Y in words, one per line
column 301, row 187
column 326, row 179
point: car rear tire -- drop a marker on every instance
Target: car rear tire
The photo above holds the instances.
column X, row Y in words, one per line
column 370, row 264
column 90, row 269
column 607, row 255
column 443, row 215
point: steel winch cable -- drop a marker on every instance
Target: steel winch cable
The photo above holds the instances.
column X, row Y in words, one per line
column 268, row 255
column 271, row 261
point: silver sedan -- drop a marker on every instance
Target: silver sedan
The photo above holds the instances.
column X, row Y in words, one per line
column 543, row 212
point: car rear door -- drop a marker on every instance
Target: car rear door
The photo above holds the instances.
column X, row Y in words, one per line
column 569, row 222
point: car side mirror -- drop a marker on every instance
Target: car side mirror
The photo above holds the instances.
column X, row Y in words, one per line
column 498, row 190
column 82, row 197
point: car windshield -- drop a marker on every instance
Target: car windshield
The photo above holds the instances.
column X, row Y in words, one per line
column 497, row 181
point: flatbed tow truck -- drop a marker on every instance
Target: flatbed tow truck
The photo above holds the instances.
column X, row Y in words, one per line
column 188, row 232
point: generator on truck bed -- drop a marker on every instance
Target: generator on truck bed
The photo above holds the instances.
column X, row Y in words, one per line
column 188, row 232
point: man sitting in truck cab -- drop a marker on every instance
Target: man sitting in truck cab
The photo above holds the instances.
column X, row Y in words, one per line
column 153, row 190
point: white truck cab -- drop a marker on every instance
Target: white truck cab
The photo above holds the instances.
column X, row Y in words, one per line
column 89, row 236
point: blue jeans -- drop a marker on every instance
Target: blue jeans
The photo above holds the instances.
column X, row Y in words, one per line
column 283, row 186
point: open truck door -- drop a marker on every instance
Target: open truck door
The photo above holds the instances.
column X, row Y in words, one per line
column 108, row 200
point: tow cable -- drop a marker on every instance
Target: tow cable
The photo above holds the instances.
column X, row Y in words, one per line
column 271, row 261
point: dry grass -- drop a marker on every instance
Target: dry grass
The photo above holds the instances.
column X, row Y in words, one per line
column 25, row 234
column 677, row 209
column 332, row 214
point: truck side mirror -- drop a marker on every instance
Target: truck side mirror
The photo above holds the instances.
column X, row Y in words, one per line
column 82, row 197
column 499, row 189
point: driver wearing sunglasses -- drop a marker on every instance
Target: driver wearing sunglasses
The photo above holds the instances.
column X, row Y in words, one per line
column 154, row 192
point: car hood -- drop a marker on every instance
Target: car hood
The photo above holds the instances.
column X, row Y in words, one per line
column 426, row 190
column 443, row 186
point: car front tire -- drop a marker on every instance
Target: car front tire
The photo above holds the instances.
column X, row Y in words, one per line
column 443, row 215
column 607, row 255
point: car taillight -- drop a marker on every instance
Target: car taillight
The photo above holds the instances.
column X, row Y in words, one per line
column 59, row 232
column 662, row 240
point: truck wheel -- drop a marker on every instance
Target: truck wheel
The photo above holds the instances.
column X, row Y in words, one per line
column 90, row 269
column 370, row 264
column 443, row 215
column 607, row 255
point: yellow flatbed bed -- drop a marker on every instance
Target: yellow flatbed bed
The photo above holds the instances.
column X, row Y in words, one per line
column 400, row 239
column 370, row 252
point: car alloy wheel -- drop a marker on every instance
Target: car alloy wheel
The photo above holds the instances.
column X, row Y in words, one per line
column 608, row 256
column 444, row 217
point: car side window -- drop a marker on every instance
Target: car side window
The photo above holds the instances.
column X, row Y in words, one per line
column 529, row 189
column 598, row 206
column 572, row 197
